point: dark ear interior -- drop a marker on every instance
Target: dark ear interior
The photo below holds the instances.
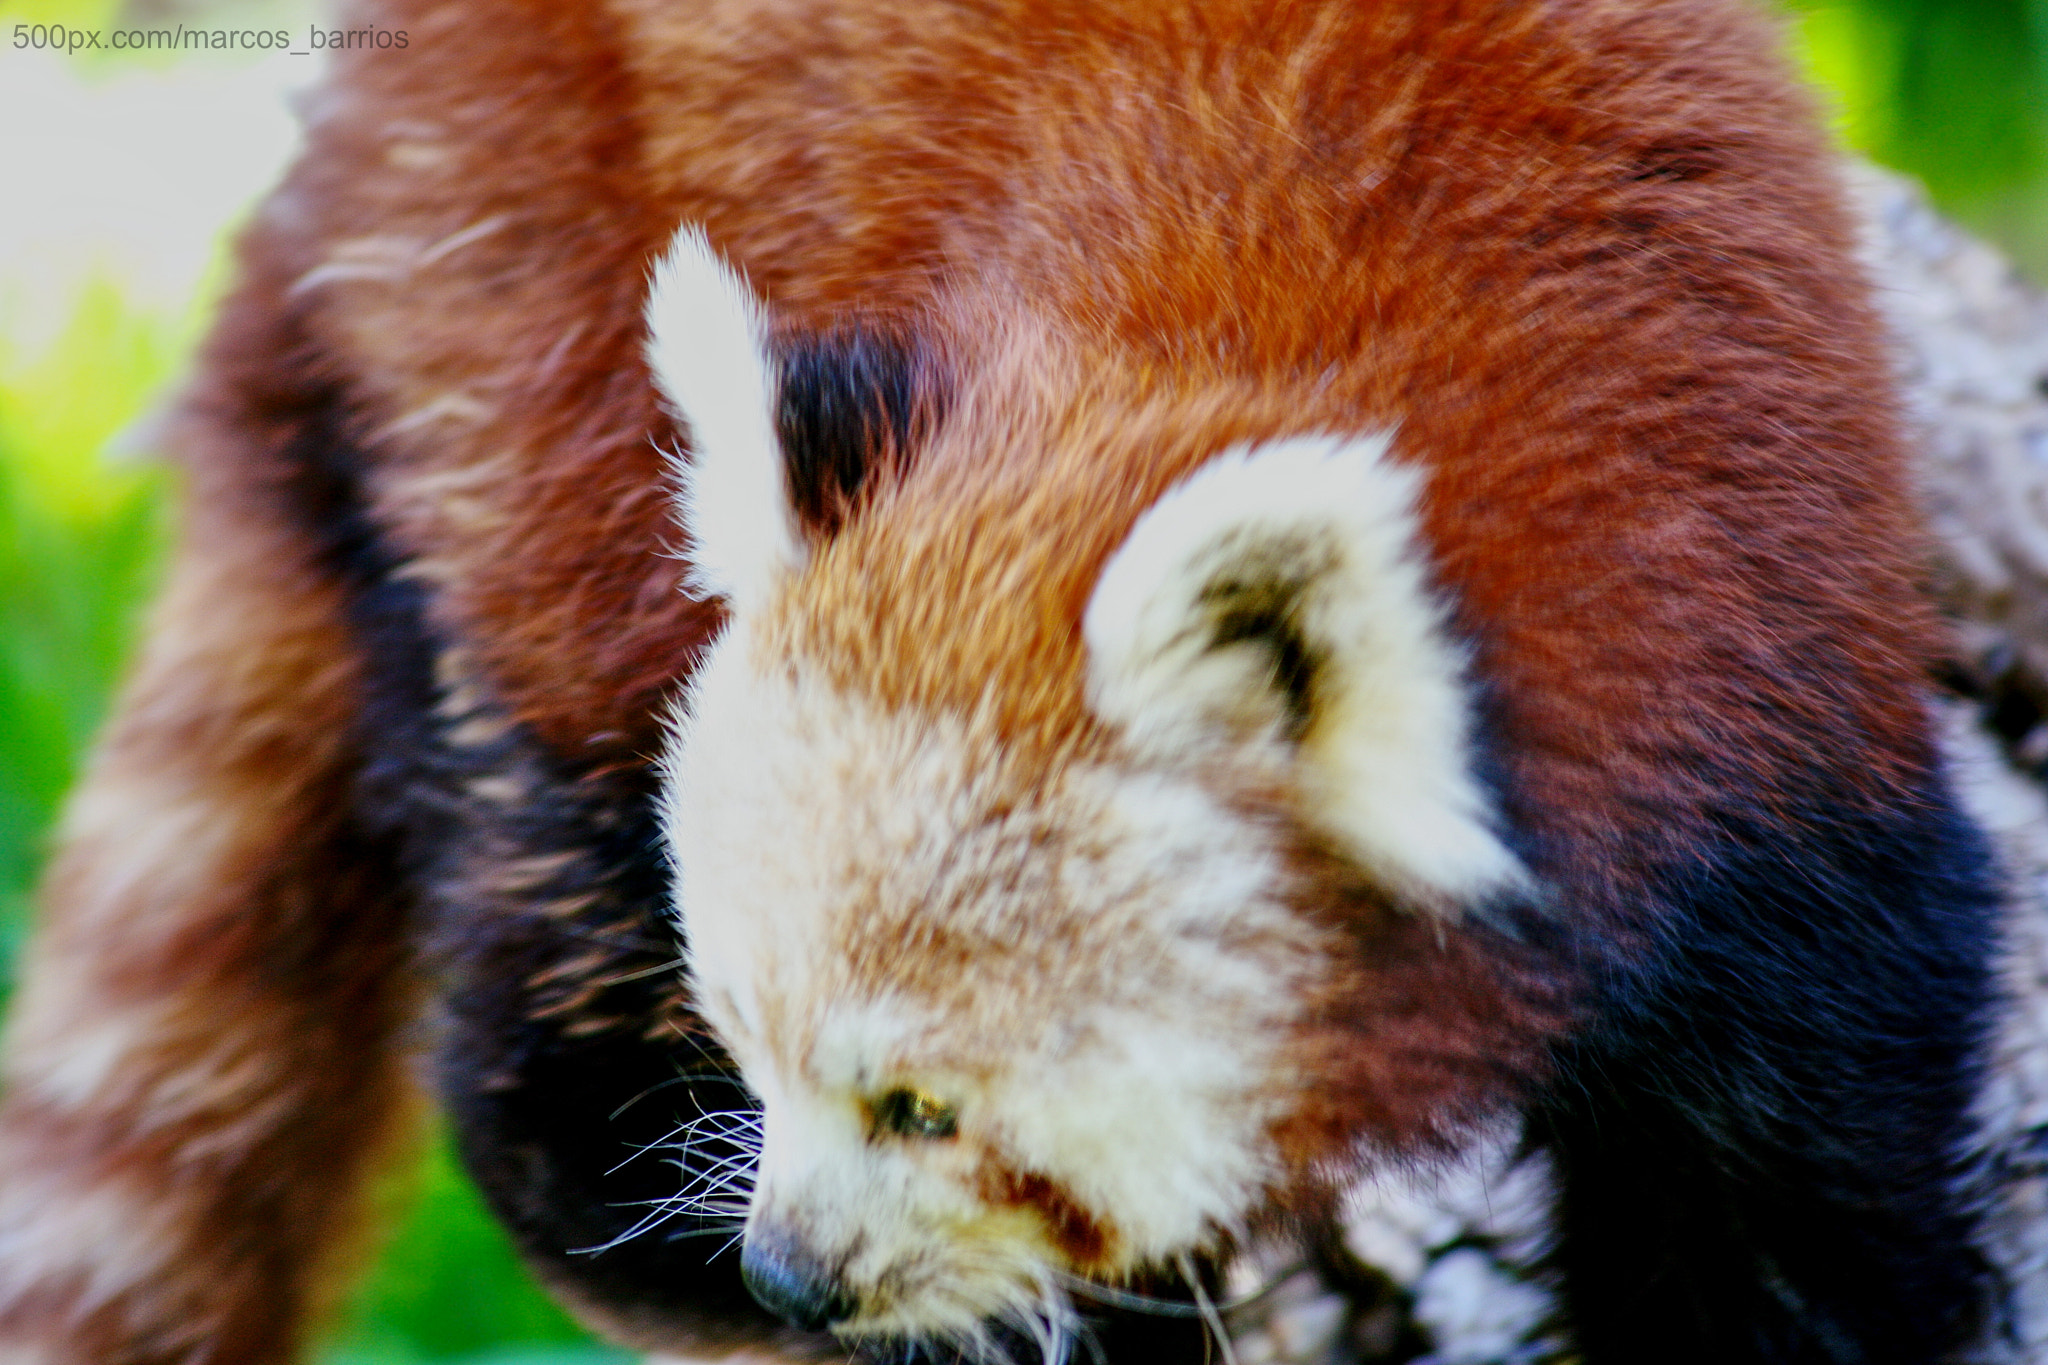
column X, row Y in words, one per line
column 852, row 400
column 1264, row 613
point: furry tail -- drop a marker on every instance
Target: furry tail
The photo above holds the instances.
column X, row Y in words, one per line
column 201, row 1070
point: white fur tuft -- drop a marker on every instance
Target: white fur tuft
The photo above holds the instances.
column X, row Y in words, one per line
column 1327, row 526
column 707, row 346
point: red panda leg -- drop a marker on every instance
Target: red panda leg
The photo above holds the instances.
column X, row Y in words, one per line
column 1766, row 1146
column 201, row 1069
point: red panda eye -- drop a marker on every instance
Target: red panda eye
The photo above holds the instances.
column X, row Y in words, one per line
column 904, row 1112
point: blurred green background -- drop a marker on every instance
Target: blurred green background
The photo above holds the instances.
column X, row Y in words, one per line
column 121, row 173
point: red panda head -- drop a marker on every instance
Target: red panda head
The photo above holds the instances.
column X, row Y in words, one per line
column 1025, row 850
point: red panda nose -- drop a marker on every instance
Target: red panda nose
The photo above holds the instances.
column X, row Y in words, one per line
column 794, row 1285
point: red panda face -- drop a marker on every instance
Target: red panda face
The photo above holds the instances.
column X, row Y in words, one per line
column 1018, row 1012
column 958, row 1001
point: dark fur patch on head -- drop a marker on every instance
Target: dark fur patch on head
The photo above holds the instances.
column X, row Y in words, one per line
column 851, row 399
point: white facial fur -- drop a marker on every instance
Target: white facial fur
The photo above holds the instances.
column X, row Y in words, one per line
column 1096, row 974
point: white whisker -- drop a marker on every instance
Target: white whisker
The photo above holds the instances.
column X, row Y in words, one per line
column 718, row 1192
column 1210, row 1317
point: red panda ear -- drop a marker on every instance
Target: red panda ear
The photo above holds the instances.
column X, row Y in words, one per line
column 707, row 345
column 1278, row 596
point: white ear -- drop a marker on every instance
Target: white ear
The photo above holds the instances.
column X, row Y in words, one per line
column 1278, row 594
column 706, row 343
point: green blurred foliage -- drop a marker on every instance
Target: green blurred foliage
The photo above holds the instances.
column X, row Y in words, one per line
column 78, row 542
column 450, row 1287
column 79, row 13
column 1952, row 91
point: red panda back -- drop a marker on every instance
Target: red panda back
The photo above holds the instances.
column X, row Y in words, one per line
column 1554, row 245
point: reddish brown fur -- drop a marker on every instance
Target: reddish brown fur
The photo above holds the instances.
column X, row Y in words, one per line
column 1468, row 350
column 1086, row 1241
column 970, row 158
column 1309, row 218
column 1411, row 1040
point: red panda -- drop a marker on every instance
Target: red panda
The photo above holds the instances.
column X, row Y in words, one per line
column 1264, row 592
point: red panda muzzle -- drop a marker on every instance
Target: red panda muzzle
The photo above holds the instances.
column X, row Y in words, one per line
column 792, row 1285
